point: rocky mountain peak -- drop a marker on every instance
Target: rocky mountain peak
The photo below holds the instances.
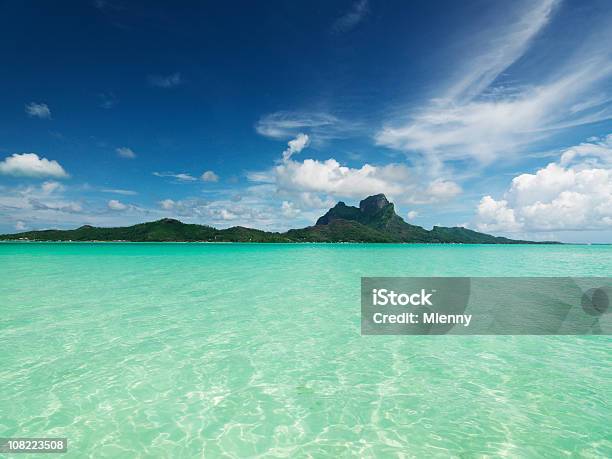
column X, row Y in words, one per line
column 373, row 204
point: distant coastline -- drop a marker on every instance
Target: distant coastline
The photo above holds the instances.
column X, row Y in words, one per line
column 527, row 243
column 374, row 221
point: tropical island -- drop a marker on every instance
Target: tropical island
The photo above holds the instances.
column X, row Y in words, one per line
column 375, row 220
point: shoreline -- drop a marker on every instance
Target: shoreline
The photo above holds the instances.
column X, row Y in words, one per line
column 24, row 241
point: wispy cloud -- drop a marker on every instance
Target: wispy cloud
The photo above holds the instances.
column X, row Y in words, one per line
column 101, row 4
column 165, row 81
column 36, row 110
column 114, row 204
column 182, row 177
column 52, row 205
column 505, row 44
column 119, row 191
column 319, row 126
column 108, row 100
column 125, row 152
column 295, row 146
column 253, row 211
column 209, row 176
column 475, row 119
column 30, row 203
column 352, row 18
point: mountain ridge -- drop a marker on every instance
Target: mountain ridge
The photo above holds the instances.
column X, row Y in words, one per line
column 374, row 220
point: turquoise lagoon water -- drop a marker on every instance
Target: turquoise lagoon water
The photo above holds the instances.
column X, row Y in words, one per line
column 240, row 350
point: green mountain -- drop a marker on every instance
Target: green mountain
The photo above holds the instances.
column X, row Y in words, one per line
column 374, row 220
column 164, row 230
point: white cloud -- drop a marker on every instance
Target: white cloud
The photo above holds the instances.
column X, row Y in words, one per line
column 308, row 200
column 568, row 195
column 125, row 152
column 442, row 190
column 261, row 176
column 505, row 43
column 50, row 205
column 496, row 216
column 227, row 215
column 250, row 211
column 210, row 176
column 119, row 191
column 51, row 187
column 31, row 165
column 289, row 210
column 319, row 126
column 295, row 146
column 411, row 215
column 597, row 150
column 114, row 204
column 108, row 100
column 330, row 177
column 352, row 18
column 20, row 226
column 315, row 183
column 165, row 81
column 167, row 204
column 475, row 119
column 180, row 176
column 26, row 202
column 38, row 110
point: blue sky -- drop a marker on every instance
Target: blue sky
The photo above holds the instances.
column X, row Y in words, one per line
column 491, row 115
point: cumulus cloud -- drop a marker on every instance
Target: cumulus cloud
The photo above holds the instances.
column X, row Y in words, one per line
column 125, row 152
column 38, row 110
column 330, row 177
column 314, row 183
column 442, row 190
column 20, row 226
column 572, row 194
column 165, row 81
column 52, row 205
column 496, row 216
column 178, row 176
column 167, row 204
column 289, row 210
column 411, row 215
column 295, row 146
column 114, row 204
column 596, row 150
column 31, row 165
column 352, row 18
column 210, row 176
column 28, row 203
column 227, row 214
column 308, row 200
column 221, row 212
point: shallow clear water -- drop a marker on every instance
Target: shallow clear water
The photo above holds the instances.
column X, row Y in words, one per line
column 234, row 350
